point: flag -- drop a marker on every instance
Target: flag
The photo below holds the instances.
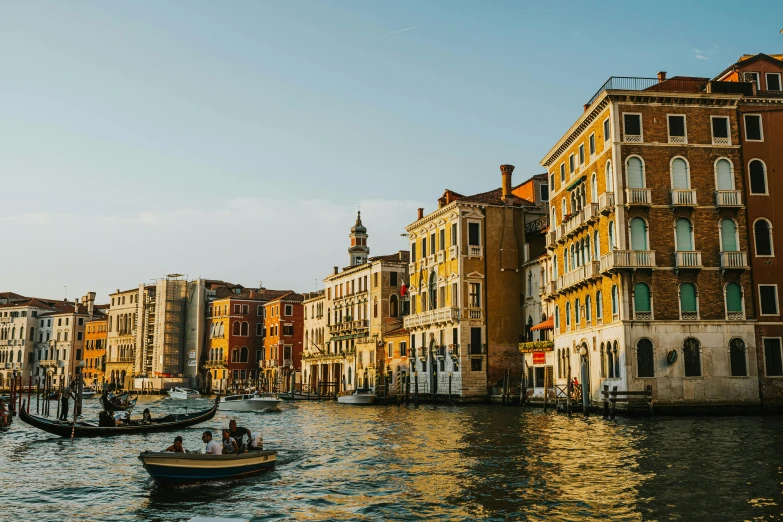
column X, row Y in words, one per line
column 403, row 290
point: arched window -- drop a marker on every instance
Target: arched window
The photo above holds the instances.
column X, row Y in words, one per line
column 222, row 330
column 609, row 177
column 739, row 362
column 245, row 329
column 555, row 273
column 638, row 234
column 734, row 308
column 616, row 355
column 375, row 307
column 599, row 305
column 588, row 308
column 758, row 177
column 597, row 246
column 680, row 178
column 615, row 304
column 602, row 369
column 577, row 314
column 433, row 292
column 645, row 362
column 529, row 283
column 688, row 309
column 573, row 257
column 587, row 251
column 393, row 306
column 559, row 366
column 566, row 257
column 610, row 361
column 235, row 354
column 683, row 235
column 691, row 351
column 243, row 354
column 725, row 180
column 568, row 315
column 641, row 301
column 557, row 318
column 762, row 235
column 594, row 189
column 563, row 206
column 554, row 217
column 611, row 236
column 221, row 354
column 635, row 173
column 235, row 328
column 728, row 235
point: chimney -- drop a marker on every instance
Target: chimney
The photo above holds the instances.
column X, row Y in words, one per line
column 584, row 107
column 506, row 171
column 421, row 213
column 661, row 76
column 336, row 270
column 90, row 298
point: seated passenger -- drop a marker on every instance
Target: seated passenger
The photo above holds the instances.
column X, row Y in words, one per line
column 213, row 447
column 229, row 444
column 177, row 446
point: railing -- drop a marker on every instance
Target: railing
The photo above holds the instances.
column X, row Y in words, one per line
column 536, row 346
column 689, row 316
column 590, row 212
column 574, row 223
column 288, row 362
column 721, row 141
column 5, row 319
column 475, row 313
column 628, row 259
column 475, row 251
column 477, row 349
column 412, row 268
column 551, row 239
column 734, row 260
column 551, row 288
column 453, row 252
column 678, row 139
column 728, row 198
column 735, row 316
column 690, row 259
column 443, row 315
column 216, row 363
column 47, row 362
column 579, row 275
column 606, row 202
column 625, row 83
column 440, row 256
column 684, row 198
column 638, row 196
column 430, row 259
column 643, row 316
column 537, row 226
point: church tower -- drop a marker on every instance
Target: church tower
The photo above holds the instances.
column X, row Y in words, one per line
column 359, row 250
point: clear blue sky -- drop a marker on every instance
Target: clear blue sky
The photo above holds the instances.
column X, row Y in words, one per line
column 235, row 139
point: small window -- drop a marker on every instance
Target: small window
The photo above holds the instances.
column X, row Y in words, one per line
column 773, row 361
column 288, row 330
column 645, row 362
column 632, row 127
column 289, row 309
column 393, row 278
column 474, row 237
column 762, row 236
column 691, row 351
column 720, row 130
column 753, row 130
column 773, row 81
column 562, row 172
column 758, row 177
column 544, row 192
column 739, row 363
column 259, row 328
column 571, row 164
column 607, row 130
column 476, row 365
column 677, row 132
column 582, row 154
column 768, row 297
column 591, row 144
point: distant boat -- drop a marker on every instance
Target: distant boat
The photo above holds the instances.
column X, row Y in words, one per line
column 250, row 402
column 178, row 468
column 361, row 396
column 183, row 393
column 88, row 392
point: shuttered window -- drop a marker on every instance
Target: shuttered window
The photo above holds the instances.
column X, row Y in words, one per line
column 733, row 298
column 641, row 297
column 723, row 169
column 680, row 174
column 635, row 175
column 638, row 234
column 683, row 232
column 687, row 297
column 773, row 362
column 728, row 235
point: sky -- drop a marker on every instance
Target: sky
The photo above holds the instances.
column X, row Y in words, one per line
column 236, row 140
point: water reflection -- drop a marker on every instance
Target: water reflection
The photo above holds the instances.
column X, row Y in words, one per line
column 455, row 463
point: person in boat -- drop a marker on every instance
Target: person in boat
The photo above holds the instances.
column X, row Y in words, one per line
column 177, row 446
column 106, row 420
column 4, row 414
column 238, row 433
column 67, row 394
column 213, row 447
column 256, row 441
column 229, row 444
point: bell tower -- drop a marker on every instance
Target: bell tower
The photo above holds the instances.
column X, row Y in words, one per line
column 359, row 251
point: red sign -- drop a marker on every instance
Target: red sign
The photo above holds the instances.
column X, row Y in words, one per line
column 539, row 357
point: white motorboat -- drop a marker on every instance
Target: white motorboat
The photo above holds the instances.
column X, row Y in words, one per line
column 88, row 392
column 250, row 402
column 361, row 396
column 183, row 393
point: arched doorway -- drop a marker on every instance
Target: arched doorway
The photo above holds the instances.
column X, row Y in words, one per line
column 584, row 359
column 433, row 368
column 122, row 379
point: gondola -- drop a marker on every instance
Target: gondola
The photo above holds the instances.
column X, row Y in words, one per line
column 90, row 429
column 121, row 402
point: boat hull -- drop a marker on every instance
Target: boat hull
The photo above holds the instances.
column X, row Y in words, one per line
column 182, row 394
column 250, row 405
column 178, row 468
column 356, row 399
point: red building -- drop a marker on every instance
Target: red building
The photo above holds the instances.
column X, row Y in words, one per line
column 281, row 355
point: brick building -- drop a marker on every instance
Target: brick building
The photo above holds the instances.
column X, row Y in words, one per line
column 649, row 273
column 281, row 353
column 95, row 336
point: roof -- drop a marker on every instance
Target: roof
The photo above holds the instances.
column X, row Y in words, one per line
column 549, row 324
column 495, row 197
column 745, row 59
column 289, row 296
column 403, row 256
column 397, row 332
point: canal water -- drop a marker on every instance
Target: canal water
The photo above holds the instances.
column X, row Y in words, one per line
column 405, row 463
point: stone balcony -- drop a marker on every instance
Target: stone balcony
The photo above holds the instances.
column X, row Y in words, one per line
column 580, row 219
column 216, row 363
column 638, row 197
column 734, row 260
column 683, row 198
column 728, row 198
column 606, row 202
column 47, row 363
column 440, row 257
column 618, row 259
column 551, row 239
column 691, row 259
column 440, row 316
column 475, row 251
column 453, row 252
column 578, row 276
column 349, row 325
column 536, row 346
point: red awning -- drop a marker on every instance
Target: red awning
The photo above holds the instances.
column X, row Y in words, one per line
column 549, row 324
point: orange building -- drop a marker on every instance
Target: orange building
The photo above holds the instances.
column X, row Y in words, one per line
column 95, row 335
column 282, row 347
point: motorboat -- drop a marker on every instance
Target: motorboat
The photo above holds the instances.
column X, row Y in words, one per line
column 360, row 396
column 89, row 392
column 250, row 402
column 178, row 468
column 183, row 393
column 171, row 422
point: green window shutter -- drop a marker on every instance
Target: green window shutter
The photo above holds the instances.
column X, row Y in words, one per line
column 728, row 233
column 683, row 229
column 733, row 297
column 724, row 175
column 635, row 177
column 688, row 297
column 641, row 296
column 679, row 174
column 638, row 234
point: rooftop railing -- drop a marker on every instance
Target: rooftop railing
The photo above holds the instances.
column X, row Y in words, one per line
column 694, row 85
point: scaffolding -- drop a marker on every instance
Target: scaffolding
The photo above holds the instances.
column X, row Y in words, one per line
column 170, row 305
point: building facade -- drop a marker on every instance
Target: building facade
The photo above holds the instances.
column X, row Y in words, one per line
column 283, row 341
column 95, row 336
column 314, row 351
column 121, row 337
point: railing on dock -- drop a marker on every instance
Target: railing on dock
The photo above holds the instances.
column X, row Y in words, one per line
column 611, row 398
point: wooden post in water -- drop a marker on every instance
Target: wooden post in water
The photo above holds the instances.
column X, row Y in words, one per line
column 569, row 391
column 523, row 386
column 545, row 390
column 606, row 401
column 613, row 402
column 29, row 391
column 416, row 384
column 449, row 387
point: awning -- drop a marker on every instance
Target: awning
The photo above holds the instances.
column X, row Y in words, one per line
column 549, row 324
column 576, row 182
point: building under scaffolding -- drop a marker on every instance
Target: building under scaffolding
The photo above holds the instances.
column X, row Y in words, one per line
column 169, row 332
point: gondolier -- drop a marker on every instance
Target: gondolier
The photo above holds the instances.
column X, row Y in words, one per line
column 67, row 394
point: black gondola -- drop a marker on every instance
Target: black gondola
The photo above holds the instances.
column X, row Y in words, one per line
column 90, row 429
column 121, row 402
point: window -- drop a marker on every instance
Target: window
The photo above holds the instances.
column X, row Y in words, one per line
column 638, row 234
column 582, row 154
column 557, row 318
column 734, row 300
column 632, row 127
column 245, row 329
column 476, row 365
column 577, row 314
column 236, row 309
column 432, row 251
column 568, row 315
column 562, row 172
column 413, row 252
column 474, row 295
column 680, row 176
column 442, row 238
column 474, row 237
column 752, row 77
column 393, row 278
column 739, row 363
column 683, row 235
column 591, row 144
column 544, row 192
column 571, row 164
column 288, row 330
column 773, row 81
column 393, row 305
column 607, row 130
column 691, row 351
column 433, row 291
column 635, row 173
column 599, row 306
column 724, row 175
column 758, row 177
column 403, row 349
column 78, row 337
column 753, row 131
column 720, row 130
column 615, row 304
column 235, row 328
column 289, row 309
column 688, row 301
column 645, row 362
column 641, row 301
column 609, row 175
column 762, row 236
column 677, row 129
column 728, row 235
column 773, row 362
column 423, row 247
column 768, row 297
column 259, row 328
column 597, row 246
column 453, row 234
column 611, row 236
column 588, row 308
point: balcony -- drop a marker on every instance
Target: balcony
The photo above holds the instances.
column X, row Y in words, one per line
column 551, row 288
column 412, row 268
column 475, row 251
column 721, row 141
column 683, row 198
column 47, row 363
column 5, row 319
column 440, row 257
column 728, row 198
column 475, row 313
column 691, row 259
column 216, row 363
column 580, row 275
column 551, row 239
column 453, row 252
column 454, row 351
column 440, row 316
column 606, row 202
column 618, row 259
column 431, row 260
column 477, row 349
column 349, row 325
column 735, row 316
column 537, row 346
column 590, row 212
column 574, row 223
column 288, row 362
column 734, row 260
column 638, row 197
